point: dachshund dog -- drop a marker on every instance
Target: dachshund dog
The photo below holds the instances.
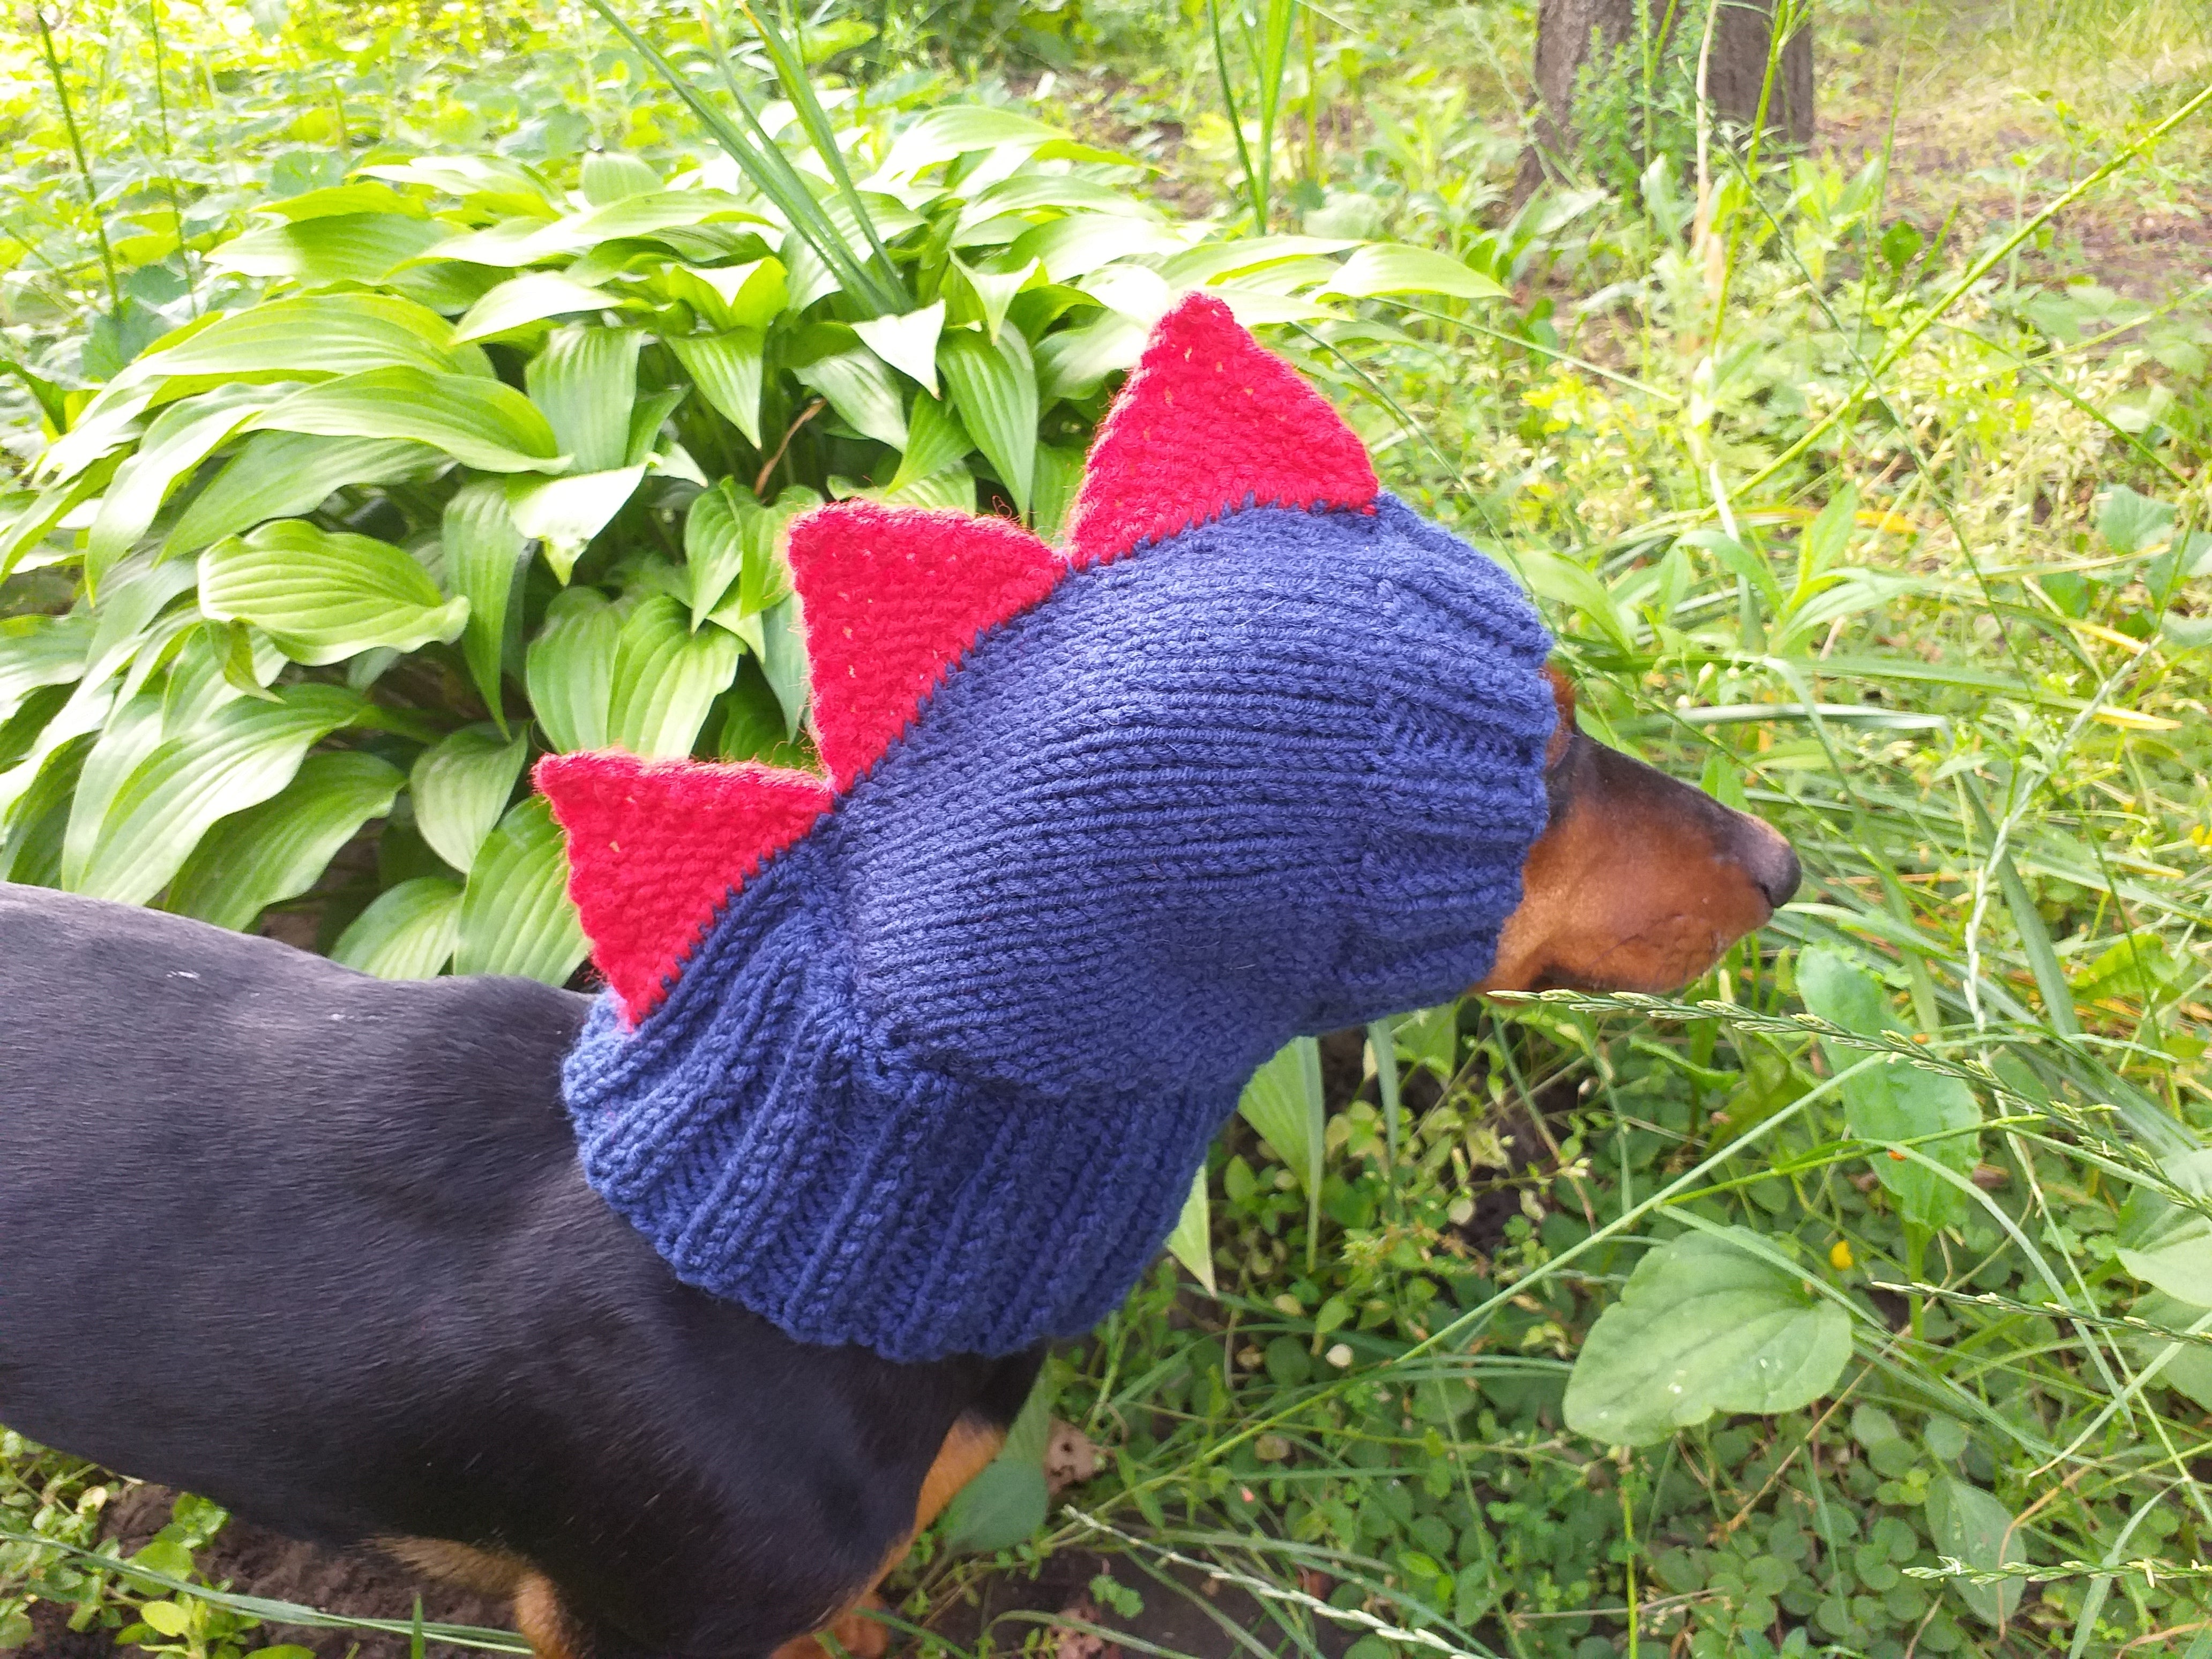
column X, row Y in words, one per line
column 370, row 1297
column 371, row 1251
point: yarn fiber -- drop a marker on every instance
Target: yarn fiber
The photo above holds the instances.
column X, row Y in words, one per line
column 936, row 1077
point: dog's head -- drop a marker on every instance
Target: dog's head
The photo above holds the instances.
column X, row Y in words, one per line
column 1639, row 882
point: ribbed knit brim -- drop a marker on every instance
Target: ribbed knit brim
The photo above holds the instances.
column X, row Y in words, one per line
column 938, row 1077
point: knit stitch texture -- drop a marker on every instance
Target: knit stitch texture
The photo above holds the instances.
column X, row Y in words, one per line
column 934, row 1076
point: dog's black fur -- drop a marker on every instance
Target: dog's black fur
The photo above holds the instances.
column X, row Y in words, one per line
column 363, row 1291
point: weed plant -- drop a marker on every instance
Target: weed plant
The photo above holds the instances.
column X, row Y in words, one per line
column 1852, row 491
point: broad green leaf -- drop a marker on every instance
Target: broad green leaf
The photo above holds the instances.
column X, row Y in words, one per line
column 326, row 596
column 647, row 417
column 1059, row 478
column 2131, row 522
column 907, row 343
column 460, row 785
column 570, row 669
column 565, row 513
column 984, row 297
column 1284, row 1103
column 479, row 422
column 1192, row 1241
column 714, row 542
column 726, row 368
column 586, row 381
column 952, row 488
column 278, row 849
column 956, row 130
column 2169, row 1245
column 529, row 298
column 860, row 387
column 610, row 176
column 181, row 436
column 750, row 295
column 935, row 441
column 1970, row 1525
column 1704, row 1325
column 345, row 247
column 1212, row 261
column 665, row 678
column 1896, row 1101
column 484, row 553
column 1396, row 268
column 408, row 932
column 1073, row 361
column 492, row 183
column 994, row 388
column 1006, row 1502
column 277, row 475
column 783, row 659
column 1074, row 246
column 310, row 335
column 241, row 755
column 36, row 651
column 342, row 198
column 23, row 532
column 132, row 732
column 516, row 916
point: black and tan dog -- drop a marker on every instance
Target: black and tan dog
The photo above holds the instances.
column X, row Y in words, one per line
column 362, row 1291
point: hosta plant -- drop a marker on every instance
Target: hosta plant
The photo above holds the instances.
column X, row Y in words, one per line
column 495, row 466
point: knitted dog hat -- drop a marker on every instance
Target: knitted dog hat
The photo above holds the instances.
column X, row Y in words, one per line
column 922, row 1055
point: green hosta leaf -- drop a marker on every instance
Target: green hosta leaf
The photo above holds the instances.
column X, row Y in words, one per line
column 783, row 659
column 1395, row 268
column 957, row 129
column 993, row 388
column 484, row 553
column 565, row 513
column 860, row 387
column 277, row 475
column 461, row 785
column 35, row 515
column 1059, row 478
column 984, row 297
column 714, row 542
column 586, row 381
column 1072, row 362
column 665, row 678
column 1704, row 1325
column 726, row 368
column 935, row 441
column 239, row 755
column 529, row 298
column 324, row 597
column 408, row 932
column 612, row 177
column 750, row 295
column 1896, row 1101
column 952, row 488
column 647, row 417
column 278, row 849
column 1970, row 1525
column 1006, row 1502
column 311, row 335
column 1074, row 246
column 516, row 916
column 345, row 247
column 1283, row 1102
column 36, row 651
column 492, row 183
column 570, row 669
column 182, row 436
column 132, row 732
column 479, row 422
column 1192, row 1241
column 907, row 343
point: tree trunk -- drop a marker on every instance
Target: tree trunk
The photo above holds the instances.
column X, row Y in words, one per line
column 1567, row 30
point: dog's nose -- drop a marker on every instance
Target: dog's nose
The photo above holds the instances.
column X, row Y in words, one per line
column 1771, row 863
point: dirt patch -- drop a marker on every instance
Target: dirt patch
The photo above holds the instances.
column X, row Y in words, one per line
column 253, row 1561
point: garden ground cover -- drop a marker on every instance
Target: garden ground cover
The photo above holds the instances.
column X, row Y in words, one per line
column 1872, row 499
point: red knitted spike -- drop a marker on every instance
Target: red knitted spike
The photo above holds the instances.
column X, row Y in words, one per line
column 656, row 847
column 1210, row 421
column 893, row 598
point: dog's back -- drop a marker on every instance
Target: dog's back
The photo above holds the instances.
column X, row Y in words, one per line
column 329, row 1238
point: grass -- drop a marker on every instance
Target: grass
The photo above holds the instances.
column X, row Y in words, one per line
column 1974, row 695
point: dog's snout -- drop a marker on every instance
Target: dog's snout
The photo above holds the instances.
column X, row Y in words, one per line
column 1771, row 863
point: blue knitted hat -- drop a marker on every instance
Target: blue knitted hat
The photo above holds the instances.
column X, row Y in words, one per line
column 922, row 1057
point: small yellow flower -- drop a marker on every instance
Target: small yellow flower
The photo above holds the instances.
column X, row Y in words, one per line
column 1839, row 1255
